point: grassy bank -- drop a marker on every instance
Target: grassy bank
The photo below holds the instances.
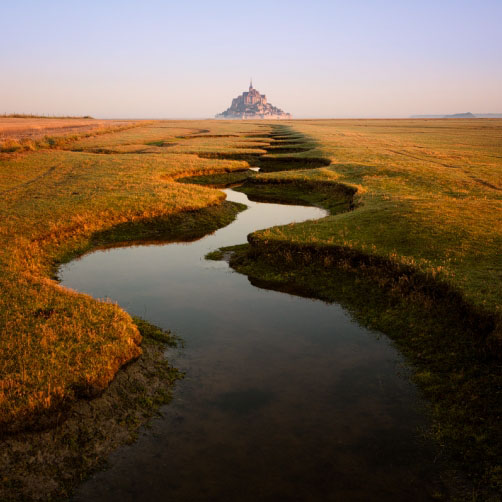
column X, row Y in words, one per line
column 56, row 204
column 415, row 256
column 411, row 247
column 429, row 196
column 47, row 464
column 452, row 370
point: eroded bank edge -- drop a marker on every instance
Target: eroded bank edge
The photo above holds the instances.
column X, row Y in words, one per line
column 453, row 346
column 51, row 451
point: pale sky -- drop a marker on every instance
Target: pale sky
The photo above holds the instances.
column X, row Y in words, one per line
column 188, row 59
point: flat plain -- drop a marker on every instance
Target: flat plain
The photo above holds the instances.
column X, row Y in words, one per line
column 35, row 128
column 416, row 209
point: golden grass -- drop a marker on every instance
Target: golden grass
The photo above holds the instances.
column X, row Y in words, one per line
column 56, row 343
column 33, row 128
column 29, row 134
column 429, row 195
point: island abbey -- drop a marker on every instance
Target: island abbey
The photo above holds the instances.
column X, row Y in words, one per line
column 252, row 105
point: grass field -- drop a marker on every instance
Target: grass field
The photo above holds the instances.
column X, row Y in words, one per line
column 417, row 257
column 429, row 194
column 415, row 253
column 422, row 208
column 20, row 133
column 56, row 204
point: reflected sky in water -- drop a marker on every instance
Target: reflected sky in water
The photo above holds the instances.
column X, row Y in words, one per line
column 285, row 398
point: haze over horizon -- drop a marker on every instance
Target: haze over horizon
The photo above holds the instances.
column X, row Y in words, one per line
column 155, row 59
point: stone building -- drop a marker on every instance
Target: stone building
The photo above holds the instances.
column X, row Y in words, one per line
column 252, row 105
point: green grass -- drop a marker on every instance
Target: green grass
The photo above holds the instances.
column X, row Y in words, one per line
column 458, row 380
column 418, row 258
column 415, row 210
column 219, row 180
column 334, row 197
column 443, row 222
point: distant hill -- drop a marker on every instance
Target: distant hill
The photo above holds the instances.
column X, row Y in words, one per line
column 489, row 115
column 467, row 115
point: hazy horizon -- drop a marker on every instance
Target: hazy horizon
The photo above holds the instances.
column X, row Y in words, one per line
column 318, row 60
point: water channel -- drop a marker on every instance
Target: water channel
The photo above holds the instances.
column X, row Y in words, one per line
column 285, row 398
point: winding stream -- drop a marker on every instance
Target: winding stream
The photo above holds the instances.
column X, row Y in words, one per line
column 285, row 398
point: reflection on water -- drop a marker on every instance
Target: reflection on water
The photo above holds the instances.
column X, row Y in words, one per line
column 285, row 398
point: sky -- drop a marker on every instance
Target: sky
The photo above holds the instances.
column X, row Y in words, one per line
column 188, row 59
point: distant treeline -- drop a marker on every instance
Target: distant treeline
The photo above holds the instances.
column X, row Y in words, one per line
column 33, row 116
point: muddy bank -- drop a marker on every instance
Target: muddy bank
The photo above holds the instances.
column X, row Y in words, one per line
column 47, row 464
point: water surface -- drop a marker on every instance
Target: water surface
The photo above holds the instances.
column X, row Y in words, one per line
column 285, row 398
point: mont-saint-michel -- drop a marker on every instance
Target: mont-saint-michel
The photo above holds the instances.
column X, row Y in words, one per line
column 252, row 105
